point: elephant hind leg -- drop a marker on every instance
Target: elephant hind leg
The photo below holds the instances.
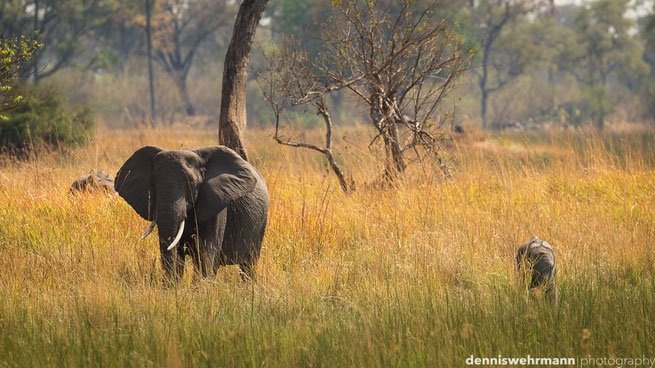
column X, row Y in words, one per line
column 247, row 266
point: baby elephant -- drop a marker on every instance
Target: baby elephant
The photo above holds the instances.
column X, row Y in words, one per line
column 536, row 259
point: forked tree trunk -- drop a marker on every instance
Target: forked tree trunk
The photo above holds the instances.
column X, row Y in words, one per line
column 232, row 122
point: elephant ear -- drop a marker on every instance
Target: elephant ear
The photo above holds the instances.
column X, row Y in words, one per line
column 227, row 177
column 133, row 181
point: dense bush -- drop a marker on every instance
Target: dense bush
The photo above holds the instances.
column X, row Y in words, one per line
column 45, row 118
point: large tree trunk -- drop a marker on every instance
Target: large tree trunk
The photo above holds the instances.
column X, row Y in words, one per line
column 232, row 122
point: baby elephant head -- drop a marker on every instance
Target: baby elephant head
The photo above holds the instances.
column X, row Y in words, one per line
column 178, row 189
column 536, row 262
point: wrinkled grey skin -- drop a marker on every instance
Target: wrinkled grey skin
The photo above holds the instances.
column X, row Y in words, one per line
column 539, row 257
column 222, row 198
column 94, row 181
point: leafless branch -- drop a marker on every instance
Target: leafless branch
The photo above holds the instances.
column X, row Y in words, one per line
column 400, row 61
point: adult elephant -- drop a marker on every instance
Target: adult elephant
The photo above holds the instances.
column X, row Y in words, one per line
column 207, row 202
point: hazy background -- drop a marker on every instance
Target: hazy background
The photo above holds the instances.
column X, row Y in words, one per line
column 561, row 64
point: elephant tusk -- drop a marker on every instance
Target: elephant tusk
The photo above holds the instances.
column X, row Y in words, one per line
column 177, row 237
column 148, row 231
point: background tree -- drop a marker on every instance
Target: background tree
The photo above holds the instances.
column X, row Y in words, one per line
column 120, row 38
column 62, row 26
column 522, row 49
column 498, row 67
column 179, row 29
column 298, row 18
column 604, row 46
column 14, row 19
column 398, row 60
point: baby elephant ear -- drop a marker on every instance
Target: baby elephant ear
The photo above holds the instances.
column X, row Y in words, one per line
column 133, row 181
column 227, row 177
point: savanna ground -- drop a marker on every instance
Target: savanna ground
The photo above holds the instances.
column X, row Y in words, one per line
column 420, row 274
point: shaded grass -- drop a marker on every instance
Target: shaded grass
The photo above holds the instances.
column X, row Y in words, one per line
column 420, row 274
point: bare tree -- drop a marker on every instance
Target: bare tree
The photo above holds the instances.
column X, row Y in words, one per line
column 232, row 122
column 400, row 61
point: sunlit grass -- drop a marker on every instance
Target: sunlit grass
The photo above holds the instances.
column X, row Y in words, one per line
column 419, row 274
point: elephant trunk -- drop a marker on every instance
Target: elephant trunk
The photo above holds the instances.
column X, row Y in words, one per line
column 171, row 211
column 170, row 215
column 171, row 229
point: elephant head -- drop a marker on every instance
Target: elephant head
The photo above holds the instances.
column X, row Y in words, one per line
column 170, row 187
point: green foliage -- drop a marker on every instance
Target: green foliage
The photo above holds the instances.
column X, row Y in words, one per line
column 604, row 43
column 64, row 27
column 298, row 18
column 603, row 47
column 120, row 34
column 45, row 119
column 14, row 19
column 14, row 57
column 594, row 106
column 104, row 59
column 520, row 46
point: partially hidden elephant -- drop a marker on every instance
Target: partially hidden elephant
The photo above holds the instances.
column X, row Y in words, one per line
column 536, row 259
column 93, row 181
column 206, row 202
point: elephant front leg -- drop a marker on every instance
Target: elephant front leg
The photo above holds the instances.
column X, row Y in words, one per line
column 172, row 262
column 202, row 262
column 206, row 250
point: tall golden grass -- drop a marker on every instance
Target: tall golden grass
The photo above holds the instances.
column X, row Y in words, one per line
column 419, row 274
